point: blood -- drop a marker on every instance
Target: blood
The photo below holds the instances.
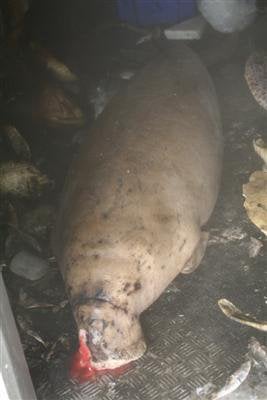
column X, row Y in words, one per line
column 82, row 370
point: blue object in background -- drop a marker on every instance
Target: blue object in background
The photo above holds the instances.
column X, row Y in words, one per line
column 153, row 12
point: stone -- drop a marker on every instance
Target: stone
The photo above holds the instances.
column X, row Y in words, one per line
column 28, row 266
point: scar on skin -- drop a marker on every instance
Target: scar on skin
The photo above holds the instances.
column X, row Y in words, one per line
column 131, row 288
column 182, row 245
column 137, row 285
column 126, row 286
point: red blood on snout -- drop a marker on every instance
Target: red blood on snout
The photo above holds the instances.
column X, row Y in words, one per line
column 81, row 369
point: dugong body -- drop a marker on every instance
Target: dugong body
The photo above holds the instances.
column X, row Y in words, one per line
column 145, row 182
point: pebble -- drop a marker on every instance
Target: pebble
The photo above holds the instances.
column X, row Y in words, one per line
column 28, row 266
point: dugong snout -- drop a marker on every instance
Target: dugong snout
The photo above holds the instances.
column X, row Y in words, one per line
column 114, row 336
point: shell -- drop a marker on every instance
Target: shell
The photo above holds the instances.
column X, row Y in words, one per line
column 256, row 75
column 255, row 192
column 260, row 148
column 55, row 108
column 17, row 142
column 57, row 68
column 21, row 179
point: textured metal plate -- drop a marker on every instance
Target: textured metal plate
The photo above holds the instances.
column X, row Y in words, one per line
column 189, row 344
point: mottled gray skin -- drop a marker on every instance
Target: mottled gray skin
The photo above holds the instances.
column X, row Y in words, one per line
column 145, row 182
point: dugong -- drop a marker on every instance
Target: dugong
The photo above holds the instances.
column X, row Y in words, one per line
column 135, row 200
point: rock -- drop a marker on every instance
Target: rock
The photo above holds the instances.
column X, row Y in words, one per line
column 22, row 180
column 18, row 241
column 28, row 266
column 228, row 16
